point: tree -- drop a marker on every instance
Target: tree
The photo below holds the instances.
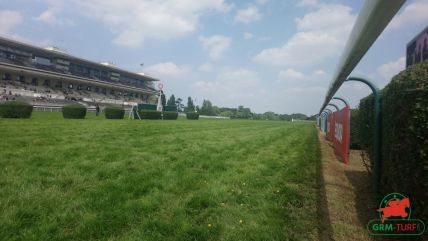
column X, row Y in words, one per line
column 179, row 105
column 207, row 108
column 190, row 105
column 163, row 98
column 171, row 101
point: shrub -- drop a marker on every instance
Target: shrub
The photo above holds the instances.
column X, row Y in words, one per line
column 147, row 107
column 114, row 112
column 170, row 108
column 15, row 109
column 170, row 115
column 192, row 115
column 404, row 141
column 355, row 130
column 74, row 111
column 150, row 114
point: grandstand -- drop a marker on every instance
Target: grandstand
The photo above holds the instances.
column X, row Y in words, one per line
column 51, row 76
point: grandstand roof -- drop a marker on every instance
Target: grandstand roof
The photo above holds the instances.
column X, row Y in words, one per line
column 52, row 53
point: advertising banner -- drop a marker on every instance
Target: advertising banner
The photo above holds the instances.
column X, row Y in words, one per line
column 340, row 136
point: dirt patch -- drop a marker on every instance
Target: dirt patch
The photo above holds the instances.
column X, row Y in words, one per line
column 345, row 198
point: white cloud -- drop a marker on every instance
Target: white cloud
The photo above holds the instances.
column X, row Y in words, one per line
column 390, row 69
column 50, row 15
column 414, row 13
column 134, row 20
column 9, row 21
column 207, row 67
column 262, row 2
column 216, row 45
column 230, row 88
column 303, row 3
column 248, row 35
column 248, row 15
column 294, row 75
column 167, row 70
column 322, row 34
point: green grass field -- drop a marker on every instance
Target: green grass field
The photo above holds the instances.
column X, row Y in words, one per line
column 98, row 179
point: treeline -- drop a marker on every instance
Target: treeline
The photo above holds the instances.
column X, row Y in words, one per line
column 241, row 112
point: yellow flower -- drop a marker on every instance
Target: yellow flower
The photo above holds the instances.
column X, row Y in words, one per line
column 240, row 221
column 209, row 225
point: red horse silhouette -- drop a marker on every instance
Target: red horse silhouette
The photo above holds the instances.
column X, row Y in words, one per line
column 395, row 208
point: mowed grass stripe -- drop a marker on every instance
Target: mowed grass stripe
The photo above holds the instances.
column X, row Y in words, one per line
column 164, row 187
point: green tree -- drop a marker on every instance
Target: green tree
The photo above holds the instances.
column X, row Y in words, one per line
column 171, row 101
column 207, row 108
column 190, row 105
column 163, row 98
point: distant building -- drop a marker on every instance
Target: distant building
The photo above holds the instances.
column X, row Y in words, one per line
column 52, row 69
column 417, row 49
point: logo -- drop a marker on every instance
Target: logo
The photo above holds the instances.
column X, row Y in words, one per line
column 395, row 218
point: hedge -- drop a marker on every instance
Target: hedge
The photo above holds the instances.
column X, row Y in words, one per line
column 15, row 109
column 170, row 108
column 146, row 107
column 150, row 114
column 74, row 111
column 192, row 115
column 404, row 135
column 355, row 130
column 114, row 112
column 170, row 115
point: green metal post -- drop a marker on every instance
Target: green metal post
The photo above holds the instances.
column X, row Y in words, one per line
column 324, row 124
column 377, row 131
column 326, row 121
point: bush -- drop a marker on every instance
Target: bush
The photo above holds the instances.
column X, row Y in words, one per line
column 15, row 109
column 170, row 108
column 114, row 112
column 170, row 115
column 74, row 111
column 150, row 114
column 355, row 130
column 404, row 141
column 146, row 107
column 192, row 115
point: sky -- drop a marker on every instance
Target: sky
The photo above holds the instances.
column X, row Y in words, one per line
column 269, row 55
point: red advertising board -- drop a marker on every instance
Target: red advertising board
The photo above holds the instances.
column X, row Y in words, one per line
column 330, row 127
column 340, row 133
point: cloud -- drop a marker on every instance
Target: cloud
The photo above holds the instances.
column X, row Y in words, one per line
column 322, row 35
column 50, row 15
column 292, row 75
column 248, row 35
column 262, row 2
column 390, row 69
column 167, row 70
column 248, row 15
column 414, row 13
column 303, row 3
column 134, row 20
column 9, row 21
column 230, row 87
column 207, row 67
column 215, row 45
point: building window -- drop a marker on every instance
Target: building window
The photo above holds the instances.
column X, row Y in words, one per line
column 112, row 92
column 34, row 81
column 70, row 86
column 96, row 89
column 58, row 84
column 88, row 88
column 7, row 76
column 21, row 79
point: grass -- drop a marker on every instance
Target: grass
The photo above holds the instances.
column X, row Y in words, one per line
column 98, row 179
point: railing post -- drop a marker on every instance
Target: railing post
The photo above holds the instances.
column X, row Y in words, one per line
column 376, row 133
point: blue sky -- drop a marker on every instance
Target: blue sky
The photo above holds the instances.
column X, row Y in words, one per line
column 269, row 55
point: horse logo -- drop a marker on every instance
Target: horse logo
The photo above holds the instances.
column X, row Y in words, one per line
column 394, row 205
